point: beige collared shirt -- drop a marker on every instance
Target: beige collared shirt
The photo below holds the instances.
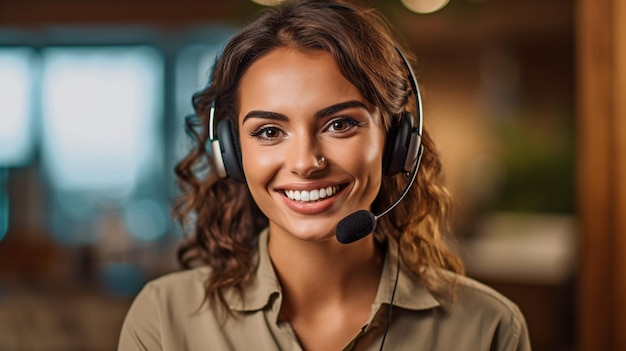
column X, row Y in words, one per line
column 169, row 314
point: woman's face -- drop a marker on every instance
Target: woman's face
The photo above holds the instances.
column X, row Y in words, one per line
column 296, row 108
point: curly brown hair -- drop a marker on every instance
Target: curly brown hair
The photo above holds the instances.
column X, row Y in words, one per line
column 220, row 214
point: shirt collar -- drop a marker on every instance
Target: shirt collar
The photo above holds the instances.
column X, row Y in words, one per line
column 410, row 292
column 264, row 287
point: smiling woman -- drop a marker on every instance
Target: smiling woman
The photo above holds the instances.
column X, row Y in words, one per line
column 297, row 107
column 307, row 107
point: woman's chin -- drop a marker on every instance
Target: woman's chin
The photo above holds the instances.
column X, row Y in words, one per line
column 303, row 231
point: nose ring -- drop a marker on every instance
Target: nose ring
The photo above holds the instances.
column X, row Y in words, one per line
column 321, row 162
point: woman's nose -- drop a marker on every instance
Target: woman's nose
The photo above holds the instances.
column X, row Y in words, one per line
column 305, row 157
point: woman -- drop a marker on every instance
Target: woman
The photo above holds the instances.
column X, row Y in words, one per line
column 315, row 93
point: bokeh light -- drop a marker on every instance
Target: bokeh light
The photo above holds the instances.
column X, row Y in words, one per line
column 267, row 2
column 425, row 6
column 146, row 219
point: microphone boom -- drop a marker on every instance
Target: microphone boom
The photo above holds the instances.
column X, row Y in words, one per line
column 361, row 223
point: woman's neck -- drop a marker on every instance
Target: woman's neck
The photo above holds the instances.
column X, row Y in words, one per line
column 328, row 287
column 326, row 272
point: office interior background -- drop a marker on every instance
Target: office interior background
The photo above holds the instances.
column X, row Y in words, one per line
column 523, row 97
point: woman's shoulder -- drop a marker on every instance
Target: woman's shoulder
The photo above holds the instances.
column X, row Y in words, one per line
column 189, row 276
column 479, row 313
column 186, row 285
column 477, row 295
column 479, row 305
column 462, row 295
column 175, row 292
column 162, row 308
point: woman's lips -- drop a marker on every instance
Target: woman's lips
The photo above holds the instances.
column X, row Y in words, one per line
column 311, row 195
column 312, row 201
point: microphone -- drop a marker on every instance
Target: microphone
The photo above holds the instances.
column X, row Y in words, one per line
column 361, row 223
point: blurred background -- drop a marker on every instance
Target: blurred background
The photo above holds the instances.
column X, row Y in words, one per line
column 524, row 98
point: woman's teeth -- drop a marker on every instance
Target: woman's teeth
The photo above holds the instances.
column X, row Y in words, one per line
column 313, row 195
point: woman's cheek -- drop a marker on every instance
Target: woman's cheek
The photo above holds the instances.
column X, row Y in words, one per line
column 259, row 166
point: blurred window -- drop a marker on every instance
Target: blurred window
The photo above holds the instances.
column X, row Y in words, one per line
column 101, row 112
column 16, row 124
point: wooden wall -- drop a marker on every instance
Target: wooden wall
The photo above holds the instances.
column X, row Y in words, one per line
column 33, row 13
column 601, row 55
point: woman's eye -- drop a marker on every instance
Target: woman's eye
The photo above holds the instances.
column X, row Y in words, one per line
column 266, row 133
column 342, row 125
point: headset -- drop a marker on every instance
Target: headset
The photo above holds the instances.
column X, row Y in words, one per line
column 402, row 148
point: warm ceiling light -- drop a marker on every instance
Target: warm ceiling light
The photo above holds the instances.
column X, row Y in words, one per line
column 425, row 6
column 267, row 2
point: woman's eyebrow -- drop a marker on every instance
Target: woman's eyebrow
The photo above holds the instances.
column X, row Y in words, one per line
column 340, row 106
column 327, row 111
column 265, row 115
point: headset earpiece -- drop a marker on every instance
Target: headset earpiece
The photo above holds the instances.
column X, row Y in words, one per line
column 401, row 147
column 229, row 152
